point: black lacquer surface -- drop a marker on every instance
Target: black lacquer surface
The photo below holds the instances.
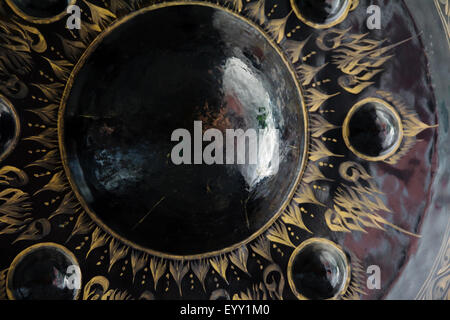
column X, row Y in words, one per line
column 136, row 88
column 41, row 8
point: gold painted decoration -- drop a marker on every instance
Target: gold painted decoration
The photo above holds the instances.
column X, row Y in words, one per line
column 335, row 192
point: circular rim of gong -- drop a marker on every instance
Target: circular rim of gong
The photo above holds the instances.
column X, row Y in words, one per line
column 327, row 243
column 38, row 20
column 346, row 130
column 30, row 249
column 15, row 140
column 341, row 17
column 302, row 110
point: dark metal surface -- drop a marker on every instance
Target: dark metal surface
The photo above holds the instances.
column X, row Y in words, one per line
column 98, row 180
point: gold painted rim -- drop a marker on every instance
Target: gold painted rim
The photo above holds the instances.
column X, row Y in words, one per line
column 92, row 46
column 327, row 243
column 346, row 129
column 315, row 25
column 37, row 20
column 35, row 247
column 15, row 140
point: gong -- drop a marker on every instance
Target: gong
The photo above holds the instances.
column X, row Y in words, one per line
column 256, row 149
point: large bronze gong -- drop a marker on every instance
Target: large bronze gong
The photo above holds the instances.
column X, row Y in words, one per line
column 348, row 198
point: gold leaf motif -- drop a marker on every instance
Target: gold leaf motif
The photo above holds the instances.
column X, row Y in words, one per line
column 72, row 49
column 360, row 60
column 200, row 269
column 38, row 46
column 88, row 31
column 13, row 37
column 157, row 268
column 98, row 239
column 83, row 226
column 57, row 183
column 308, row 73
column 48, row 138
column 277, row 27
column 100, row 16
column 304, row 194
column 67, row 206
column 353, row 84
column 50, row 161
column 358, row 279
column 95, row 288
column 335, row 222
column 354, row 4
column 13, row 177
column 37, row 230
column 412, row 126
column 262, row 247
column 319, row 126
column 14, row 210
column 315, row 99
column 358, row 210
column 237, row 5
column 320, row 151
column 119, row 5
column 60, row 68
column 178, row 270
column 52, row 91
column 407, row 144
column 239, row 258
column 257, row 11
column 138, row 262
column 313, row 173
column 19, row 37
column 295, row 48
column 48, row 114
column 411, row 122
column 278, row 233
column 293, row 215
column 116, row 252
column 220, row 264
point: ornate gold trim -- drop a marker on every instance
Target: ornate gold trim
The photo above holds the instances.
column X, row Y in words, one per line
column 346, row 130
column 74, row 187
column 301, row 247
